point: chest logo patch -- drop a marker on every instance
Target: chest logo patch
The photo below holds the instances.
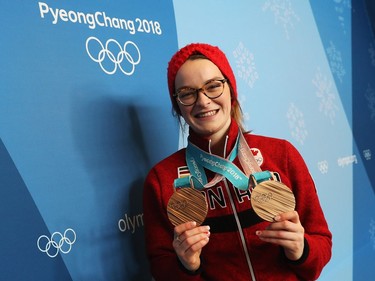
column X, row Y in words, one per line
column 257, row 155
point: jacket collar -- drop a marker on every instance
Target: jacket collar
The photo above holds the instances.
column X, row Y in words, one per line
column 204, row 142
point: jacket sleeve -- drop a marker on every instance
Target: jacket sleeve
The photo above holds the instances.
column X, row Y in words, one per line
column 163, row 260
column 318, row 238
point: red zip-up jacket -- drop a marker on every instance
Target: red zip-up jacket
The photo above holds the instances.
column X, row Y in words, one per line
column 234, row 252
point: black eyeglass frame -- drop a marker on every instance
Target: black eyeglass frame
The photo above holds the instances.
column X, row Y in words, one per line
column 196, row 91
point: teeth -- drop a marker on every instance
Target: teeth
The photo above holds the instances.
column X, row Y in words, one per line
column 206, row 114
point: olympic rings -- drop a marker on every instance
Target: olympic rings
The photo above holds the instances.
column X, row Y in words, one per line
column 107, row 51
column 57, row 243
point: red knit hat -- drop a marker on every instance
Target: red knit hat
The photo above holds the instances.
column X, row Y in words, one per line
column 213, row 53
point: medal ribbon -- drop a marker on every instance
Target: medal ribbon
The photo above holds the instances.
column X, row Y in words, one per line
column 198, row 159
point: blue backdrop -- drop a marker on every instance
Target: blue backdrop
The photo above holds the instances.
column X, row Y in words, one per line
column 78, row 137
column 85, row 113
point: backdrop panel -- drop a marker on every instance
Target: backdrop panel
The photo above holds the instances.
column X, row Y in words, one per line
column 363, row 53
column 84, row 114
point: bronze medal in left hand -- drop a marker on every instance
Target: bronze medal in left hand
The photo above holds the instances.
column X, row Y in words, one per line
column 187, row 204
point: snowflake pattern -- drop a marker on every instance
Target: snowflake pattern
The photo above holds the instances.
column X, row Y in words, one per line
column 340, row 6
column 296, row 123
column 335, row 61
column 245, row 65
column 325, row 93
column 367, row 154
column 284, row 14
column 323, row 166
column 372, row 233
column 371, row 51
column 370, row 96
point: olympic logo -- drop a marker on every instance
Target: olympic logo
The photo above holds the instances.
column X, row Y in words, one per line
column 113, row 56
column 263, row 198
column 179, row 205
column 57, row 243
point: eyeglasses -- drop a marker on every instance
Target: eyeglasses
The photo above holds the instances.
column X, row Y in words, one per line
column 211, row 89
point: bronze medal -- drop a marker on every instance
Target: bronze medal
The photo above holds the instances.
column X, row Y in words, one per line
column 271, row 198
column 187, row 204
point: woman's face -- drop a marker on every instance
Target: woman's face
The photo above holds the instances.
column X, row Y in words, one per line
column 207, row 117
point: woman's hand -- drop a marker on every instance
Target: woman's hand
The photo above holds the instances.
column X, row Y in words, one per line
column 287, row 232
column 188, row 243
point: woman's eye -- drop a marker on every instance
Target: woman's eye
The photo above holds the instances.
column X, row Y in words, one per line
column 213, row 86
column 186, row 95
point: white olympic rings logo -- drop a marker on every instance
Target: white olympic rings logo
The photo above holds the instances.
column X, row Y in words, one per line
column 57, row 243
column 105, row 52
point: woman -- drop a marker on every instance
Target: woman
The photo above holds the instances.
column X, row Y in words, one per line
column 233, row 242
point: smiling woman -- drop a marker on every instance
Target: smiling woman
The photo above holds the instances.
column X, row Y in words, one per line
column 206, row 116
column 193, row 220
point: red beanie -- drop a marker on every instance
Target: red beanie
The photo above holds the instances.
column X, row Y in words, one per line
column 213, row 53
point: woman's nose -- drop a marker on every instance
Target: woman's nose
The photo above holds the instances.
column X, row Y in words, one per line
column 202, row 99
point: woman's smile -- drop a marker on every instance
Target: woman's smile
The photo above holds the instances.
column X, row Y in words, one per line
column 207, row 114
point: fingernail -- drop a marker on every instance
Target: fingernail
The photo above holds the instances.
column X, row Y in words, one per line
column 258, row 232
column 277, row 218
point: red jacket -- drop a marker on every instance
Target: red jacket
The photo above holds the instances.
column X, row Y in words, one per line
column 224, row 258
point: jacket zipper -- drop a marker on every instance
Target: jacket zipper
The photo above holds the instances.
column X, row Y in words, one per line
column 242, row 236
